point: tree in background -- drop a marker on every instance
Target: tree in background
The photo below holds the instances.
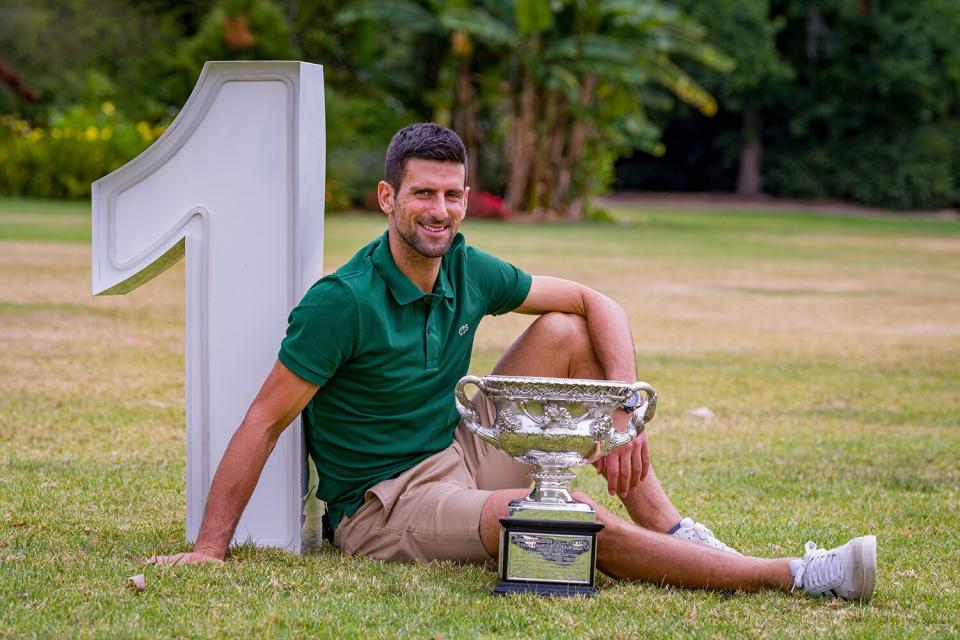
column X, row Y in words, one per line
column 546, row 94
column 83, row 102
column 564, row 87
column 852, row 99
column 105, row 77
column 81, row 52
column 746, row 30
column 874, row 115
column 858, row 100
column 228, row 30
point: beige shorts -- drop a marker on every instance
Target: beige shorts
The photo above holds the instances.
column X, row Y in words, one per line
column 432, row 511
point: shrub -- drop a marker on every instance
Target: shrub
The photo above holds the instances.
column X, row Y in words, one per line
column 913, row 169
column 61, row 158
column 359, row 129
column 484, row 204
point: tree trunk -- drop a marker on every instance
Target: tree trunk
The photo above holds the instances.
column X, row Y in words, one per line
column 465, row 118
column 558, row 138
column 540, row 174
column 568, row 203
column 520, row 145
column 749, row 177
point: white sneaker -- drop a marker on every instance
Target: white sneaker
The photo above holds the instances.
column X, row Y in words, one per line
column 848, row 572
column 696, row 532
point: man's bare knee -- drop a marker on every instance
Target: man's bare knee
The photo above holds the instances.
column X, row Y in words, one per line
column 555, row 345
column 568, row 333
column 563, row 327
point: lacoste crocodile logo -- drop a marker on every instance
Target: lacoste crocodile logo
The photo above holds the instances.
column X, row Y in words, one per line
column 464, row 329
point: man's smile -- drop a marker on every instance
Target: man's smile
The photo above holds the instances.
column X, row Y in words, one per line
column 434, row 230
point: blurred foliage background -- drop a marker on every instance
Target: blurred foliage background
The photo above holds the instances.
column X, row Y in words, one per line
column 557, row 100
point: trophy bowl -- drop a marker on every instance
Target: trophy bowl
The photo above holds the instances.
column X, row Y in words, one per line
column 556, row 423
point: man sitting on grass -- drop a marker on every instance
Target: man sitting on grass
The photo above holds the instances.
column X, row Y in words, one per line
column 371, row 357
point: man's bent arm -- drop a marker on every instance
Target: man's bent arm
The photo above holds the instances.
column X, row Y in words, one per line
column 606, row 321
column 281, row 399
column 609, row 330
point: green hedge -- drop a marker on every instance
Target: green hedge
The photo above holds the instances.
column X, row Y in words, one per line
column 914, row 169
column 63, row 157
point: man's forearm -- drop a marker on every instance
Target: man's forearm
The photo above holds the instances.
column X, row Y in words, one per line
column 610, row 334
column 232, row 486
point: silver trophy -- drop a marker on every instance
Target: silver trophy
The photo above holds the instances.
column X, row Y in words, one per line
column 548, row 543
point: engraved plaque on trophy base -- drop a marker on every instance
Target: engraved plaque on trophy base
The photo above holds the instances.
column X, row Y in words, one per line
column 548, row 557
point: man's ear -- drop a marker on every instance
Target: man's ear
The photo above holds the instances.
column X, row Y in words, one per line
column 385, row 196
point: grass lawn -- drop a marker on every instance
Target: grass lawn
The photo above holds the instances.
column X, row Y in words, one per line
column 828, row 348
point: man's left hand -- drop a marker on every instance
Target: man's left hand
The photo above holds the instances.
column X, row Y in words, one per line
column 625, row 467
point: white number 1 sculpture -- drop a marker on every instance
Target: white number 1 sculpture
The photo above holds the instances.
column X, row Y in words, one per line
column 236, row 184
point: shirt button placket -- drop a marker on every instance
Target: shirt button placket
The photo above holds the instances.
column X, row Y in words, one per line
column 433, row 336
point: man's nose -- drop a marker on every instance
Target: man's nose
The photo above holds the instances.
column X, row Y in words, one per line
column 438, row 205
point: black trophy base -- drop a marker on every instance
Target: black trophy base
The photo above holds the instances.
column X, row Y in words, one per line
column 548, row 557
column 544, row 589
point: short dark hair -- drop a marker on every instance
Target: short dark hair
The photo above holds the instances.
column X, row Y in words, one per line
column 424, row 140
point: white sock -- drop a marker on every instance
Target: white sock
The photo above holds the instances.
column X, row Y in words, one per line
column 795, row 565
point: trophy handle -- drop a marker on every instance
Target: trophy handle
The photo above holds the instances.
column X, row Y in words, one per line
column 471, row 417
column 639, row 417
column 644, row 412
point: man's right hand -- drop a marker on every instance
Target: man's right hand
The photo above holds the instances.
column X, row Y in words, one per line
column 190, row 557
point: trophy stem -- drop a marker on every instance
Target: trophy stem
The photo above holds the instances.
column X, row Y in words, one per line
column 551, row 485
column 551, row 499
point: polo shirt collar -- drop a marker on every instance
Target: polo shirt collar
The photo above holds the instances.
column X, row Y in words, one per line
column 404, row 291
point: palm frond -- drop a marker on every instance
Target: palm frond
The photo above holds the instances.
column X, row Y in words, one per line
column 595, row 47
column 664, row 72
column 481, row 25
column 412, row 15
column 705, row 54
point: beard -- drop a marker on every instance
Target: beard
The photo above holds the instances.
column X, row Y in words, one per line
column 427, row 247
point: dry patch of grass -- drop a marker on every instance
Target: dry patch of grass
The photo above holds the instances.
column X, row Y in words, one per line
column 827, row 349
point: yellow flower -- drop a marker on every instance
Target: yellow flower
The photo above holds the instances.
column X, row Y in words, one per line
column 106, row 133
column 143, row 128
column 56, row 134
column 35, row 135
column 108, row 108
column 91, row 133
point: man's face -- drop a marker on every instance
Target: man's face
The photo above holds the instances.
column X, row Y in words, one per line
column 426, row 210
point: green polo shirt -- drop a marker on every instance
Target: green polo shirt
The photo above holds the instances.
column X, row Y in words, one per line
column 386, row 357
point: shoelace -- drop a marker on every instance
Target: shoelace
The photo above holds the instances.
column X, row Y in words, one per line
column 820, row 570
column 702, row 532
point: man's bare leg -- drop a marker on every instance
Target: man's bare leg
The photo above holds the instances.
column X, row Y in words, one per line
column 629, row 552
column 558, row 345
